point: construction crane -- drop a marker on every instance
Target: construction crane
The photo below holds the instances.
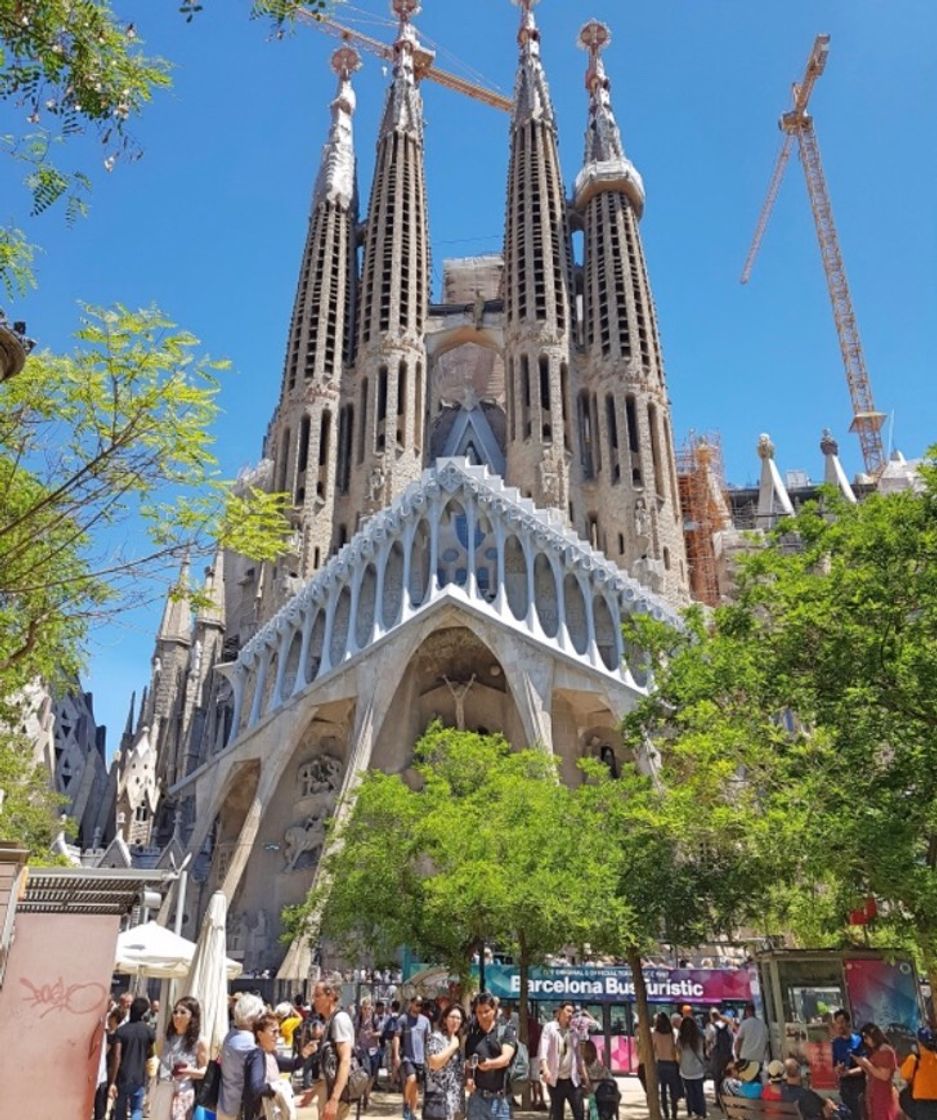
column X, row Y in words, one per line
column 797, row 124
column 423, row 60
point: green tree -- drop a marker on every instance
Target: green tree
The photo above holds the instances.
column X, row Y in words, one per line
column 112, row 436
column 29, row 807
column 72, row 67
column 817, row 693
column 490, row 849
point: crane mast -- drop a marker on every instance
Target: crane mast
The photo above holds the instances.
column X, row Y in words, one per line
column 797, row 124
column 423, row 60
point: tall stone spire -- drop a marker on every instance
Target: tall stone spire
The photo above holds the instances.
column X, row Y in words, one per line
column 625, row 465
column 381, row 436
column 537, row 287
column 176, row 624
column 302, row 439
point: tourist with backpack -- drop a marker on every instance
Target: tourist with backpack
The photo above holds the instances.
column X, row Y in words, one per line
column 489, row 1053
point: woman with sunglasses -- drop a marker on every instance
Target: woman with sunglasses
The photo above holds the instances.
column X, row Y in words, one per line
column 881, row 1099
column 183, row 1061
column 444, row 1096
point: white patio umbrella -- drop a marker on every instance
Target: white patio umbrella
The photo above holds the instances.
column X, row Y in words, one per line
column 208, row 978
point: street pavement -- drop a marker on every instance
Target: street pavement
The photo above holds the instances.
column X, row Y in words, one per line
column 388, row 1105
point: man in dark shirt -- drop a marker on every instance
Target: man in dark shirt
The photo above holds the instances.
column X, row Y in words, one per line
column 812, row 1106
column 489, row 1050
column 133, row 1044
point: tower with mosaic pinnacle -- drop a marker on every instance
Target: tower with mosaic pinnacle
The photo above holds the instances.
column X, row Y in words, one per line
column 625, row 469
column 303, row 433
column 381, row 436
column 538, row 300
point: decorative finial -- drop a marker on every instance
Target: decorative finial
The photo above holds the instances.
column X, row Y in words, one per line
column 594, row 37
column 765, row 446
column 405, row 10
column 528, row 30
column 345, row 61
column 828, row 444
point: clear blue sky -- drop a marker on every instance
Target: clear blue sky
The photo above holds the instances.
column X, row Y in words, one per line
column 210, row 223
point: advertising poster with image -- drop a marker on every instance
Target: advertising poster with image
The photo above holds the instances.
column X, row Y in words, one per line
column 885, row 994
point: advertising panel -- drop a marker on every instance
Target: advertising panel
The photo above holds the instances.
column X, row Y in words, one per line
column 600, row 984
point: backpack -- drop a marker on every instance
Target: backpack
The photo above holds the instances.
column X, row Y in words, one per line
column 518, row 1070
column 358, row 1077
column 607, row 1098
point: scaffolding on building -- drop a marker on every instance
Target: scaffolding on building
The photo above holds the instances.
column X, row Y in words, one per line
column 700, row 476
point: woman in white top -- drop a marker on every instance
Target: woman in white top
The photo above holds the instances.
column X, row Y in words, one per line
column 183, row 1061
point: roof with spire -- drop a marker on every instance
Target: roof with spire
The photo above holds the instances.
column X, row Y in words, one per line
column 176, row 625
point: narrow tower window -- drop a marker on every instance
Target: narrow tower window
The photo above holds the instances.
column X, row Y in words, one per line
column 401, row 401
column 525, row 394
column 379, row 440
column 659, row 483
column 302, row 461
column 546, row 428
column 284, row 460
column 611, row 426
column 363, row 429
column 325, row 431
column 631, row 417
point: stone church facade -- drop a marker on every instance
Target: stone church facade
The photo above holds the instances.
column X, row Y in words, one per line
column 481, row 489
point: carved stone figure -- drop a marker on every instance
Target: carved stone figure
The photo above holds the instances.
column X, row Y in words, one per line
column 302, row 838
column 459, row 690
column 642, row 521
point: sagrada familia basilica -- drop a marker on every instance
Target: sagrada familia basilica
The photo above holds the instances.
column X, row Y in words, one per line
column 481, row 489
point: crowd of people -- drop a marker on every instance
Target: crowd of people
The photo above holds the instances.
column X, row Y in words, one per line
column 474, row 1064
column 734, row 1055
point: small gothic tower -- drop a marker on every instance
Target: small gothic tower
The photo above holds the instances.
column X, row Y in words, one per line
column 538, row 306
column 305, row 428
column 381, row 437
column 626, row 467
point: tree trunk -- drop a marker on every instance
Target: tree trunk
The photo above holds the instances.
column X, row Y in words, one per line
column 522, row 1003
column 633, row 958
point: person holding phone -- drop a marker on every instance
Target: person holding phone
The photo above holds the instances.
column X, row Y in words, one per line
column 183, row 1061
column 489, row 1049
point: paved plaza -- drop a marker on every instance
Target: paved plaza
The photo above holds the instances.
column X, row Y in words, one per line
column 633, row 1105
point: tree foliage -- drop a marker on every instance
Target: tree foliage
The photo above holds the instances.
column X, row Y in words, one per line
column 817, row 689
column 29, row 808
column 117, row 430
column 73, row 67
column 491, row 848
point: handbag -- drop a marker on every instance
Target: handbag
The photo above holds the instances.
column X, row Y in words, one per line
column 161, row 1100
column 434, row 1105
column 207, row 1090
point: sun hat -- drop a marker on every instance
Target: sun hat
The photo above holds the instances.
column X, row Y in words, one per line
column 775, row 1070
column 748, row 1071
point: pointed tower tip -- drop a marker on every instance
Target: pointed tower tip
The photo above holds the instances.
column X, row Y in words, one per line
column 176, row 625
column 605, row 165
column 528, row 34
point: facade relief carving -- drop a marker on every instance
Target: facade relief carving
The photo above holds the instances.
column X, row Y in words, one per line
column 318, row 780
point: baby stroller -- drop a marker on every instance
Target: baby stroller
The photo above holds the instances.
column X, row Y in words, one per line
column 607, row 1098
